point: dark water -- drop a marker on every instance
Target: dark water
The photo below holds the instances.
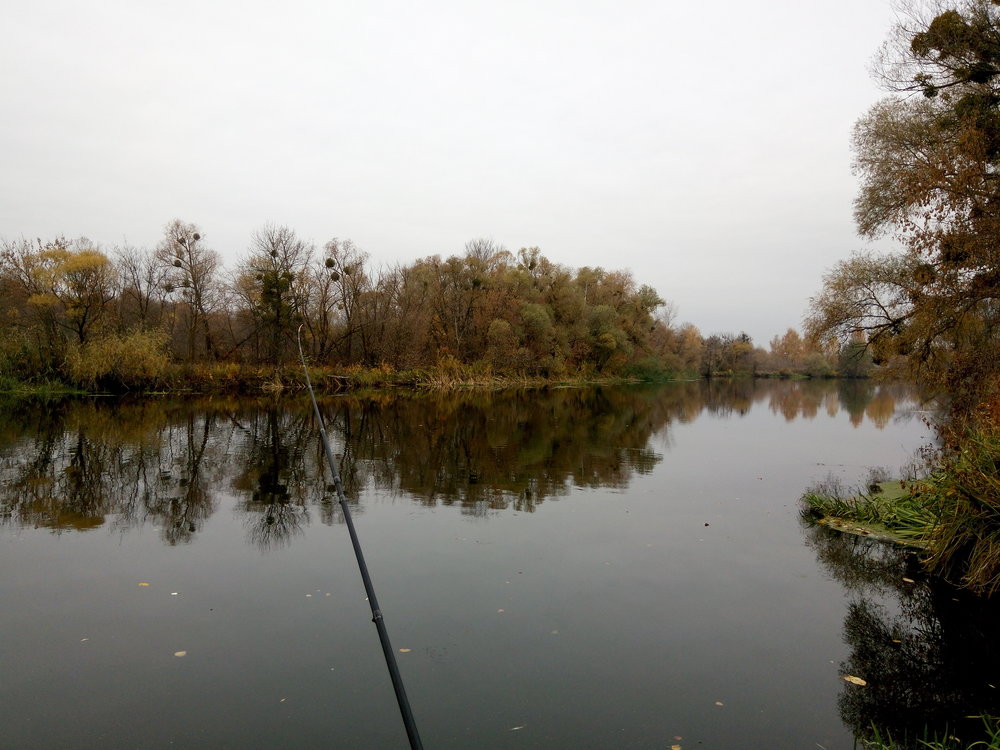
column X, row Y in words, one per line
column 576, row 568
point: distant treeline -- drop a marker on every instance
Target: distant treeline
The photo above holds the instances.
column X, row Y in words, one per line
column 132, row 317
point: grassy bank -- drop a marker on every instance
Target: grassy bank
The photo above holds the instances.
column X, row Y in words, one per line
column 41, row 388
column 231, row 378
column 953, row 513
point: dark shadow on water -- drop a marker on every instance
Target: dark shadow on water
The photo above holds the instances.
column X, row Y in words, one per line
column 928, row 652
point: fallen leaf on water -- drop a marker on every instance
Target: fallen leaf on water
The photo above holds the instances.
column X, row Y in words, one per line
column 84, row 639
column 499, row 611
column 180, row 653
column 404, row 650
column 675, row 747
column 282, row 700
column 678, row 738
column 173, row 593
column 908, row 580
column 143, row 583
column 853, row 680
column 719, row 703
column 514, row 729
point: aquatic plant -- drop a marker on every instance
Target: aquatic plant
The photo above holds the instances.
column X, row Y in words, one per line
column 954, row 513
column 898, row 509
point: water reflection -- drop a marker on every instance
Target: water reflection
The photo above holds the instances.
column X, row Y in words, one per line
column 490, row 451
column 927, row 651
column 270, row 479
column 84, row 464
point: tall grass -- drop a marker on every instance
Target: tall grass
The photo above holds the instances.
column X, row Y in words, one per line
column 899, row 508
column 990, row 740
column 119, row 362
column 965, row 496
column 954, row 513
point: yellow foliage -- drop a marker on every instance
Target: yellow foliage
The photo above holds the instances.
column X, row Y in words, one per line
column 46, row 299
column 128, row 360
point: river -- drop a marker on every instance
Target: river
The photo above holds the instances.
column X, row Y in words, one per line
column 570, row 568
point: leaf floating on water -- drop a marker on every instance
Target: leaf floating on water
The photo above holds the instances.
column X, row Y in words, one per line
column 675, row 747
column 908, row 580
column 719, row 703
column 853, row 680
column 404, row 650
column 143, row 583
column 514, row 729
column 180, row 653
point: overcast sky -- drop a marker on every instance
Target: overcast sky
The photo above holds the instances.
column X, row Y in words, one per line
column 704, row 146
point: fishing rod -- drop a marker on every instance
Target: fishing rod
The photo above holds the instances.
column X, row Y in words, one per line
column 383, row 634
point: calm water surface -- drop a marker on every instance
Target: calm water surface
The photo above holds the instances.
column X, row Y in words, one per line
column 576, row 568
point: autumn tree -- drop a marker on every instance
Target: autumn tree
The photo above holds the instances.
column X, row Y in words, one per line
column 929, row 162
column 787, row 351
column 728, row 354
column 928, row 158
column 68, row 285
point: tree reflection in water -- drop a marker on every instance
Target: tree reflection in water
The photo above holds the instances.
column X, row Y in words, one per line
column 271, row 477
column 927, row 651
column 83, row 464
column 80, row 464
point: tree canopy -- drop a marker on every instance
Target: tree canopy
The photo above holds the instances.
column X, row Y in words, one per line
column 67, row 307
column 928, row 158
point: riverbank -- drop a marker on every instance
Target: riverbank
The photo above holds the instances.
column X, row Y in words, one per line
column 951, row 514
column 241, row 379
column 236, row 379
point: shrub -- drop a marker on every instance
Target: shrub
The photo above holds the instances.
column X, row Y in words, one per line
column 119, row 362
column 649, row 368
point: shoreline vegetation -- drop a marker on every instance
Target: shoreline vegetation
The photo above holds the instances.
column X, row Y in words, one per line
column 244, row 380
column 927, row 157
column 130, row 319
column 945, row 509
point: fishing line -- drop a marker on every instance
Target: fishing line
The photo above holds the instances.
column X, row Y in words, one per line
column 383, row 634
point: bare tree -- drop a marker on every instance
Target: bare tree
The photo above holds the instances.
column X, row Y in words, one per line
column 141, row 279
column 192, row 269
column 271, row 284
